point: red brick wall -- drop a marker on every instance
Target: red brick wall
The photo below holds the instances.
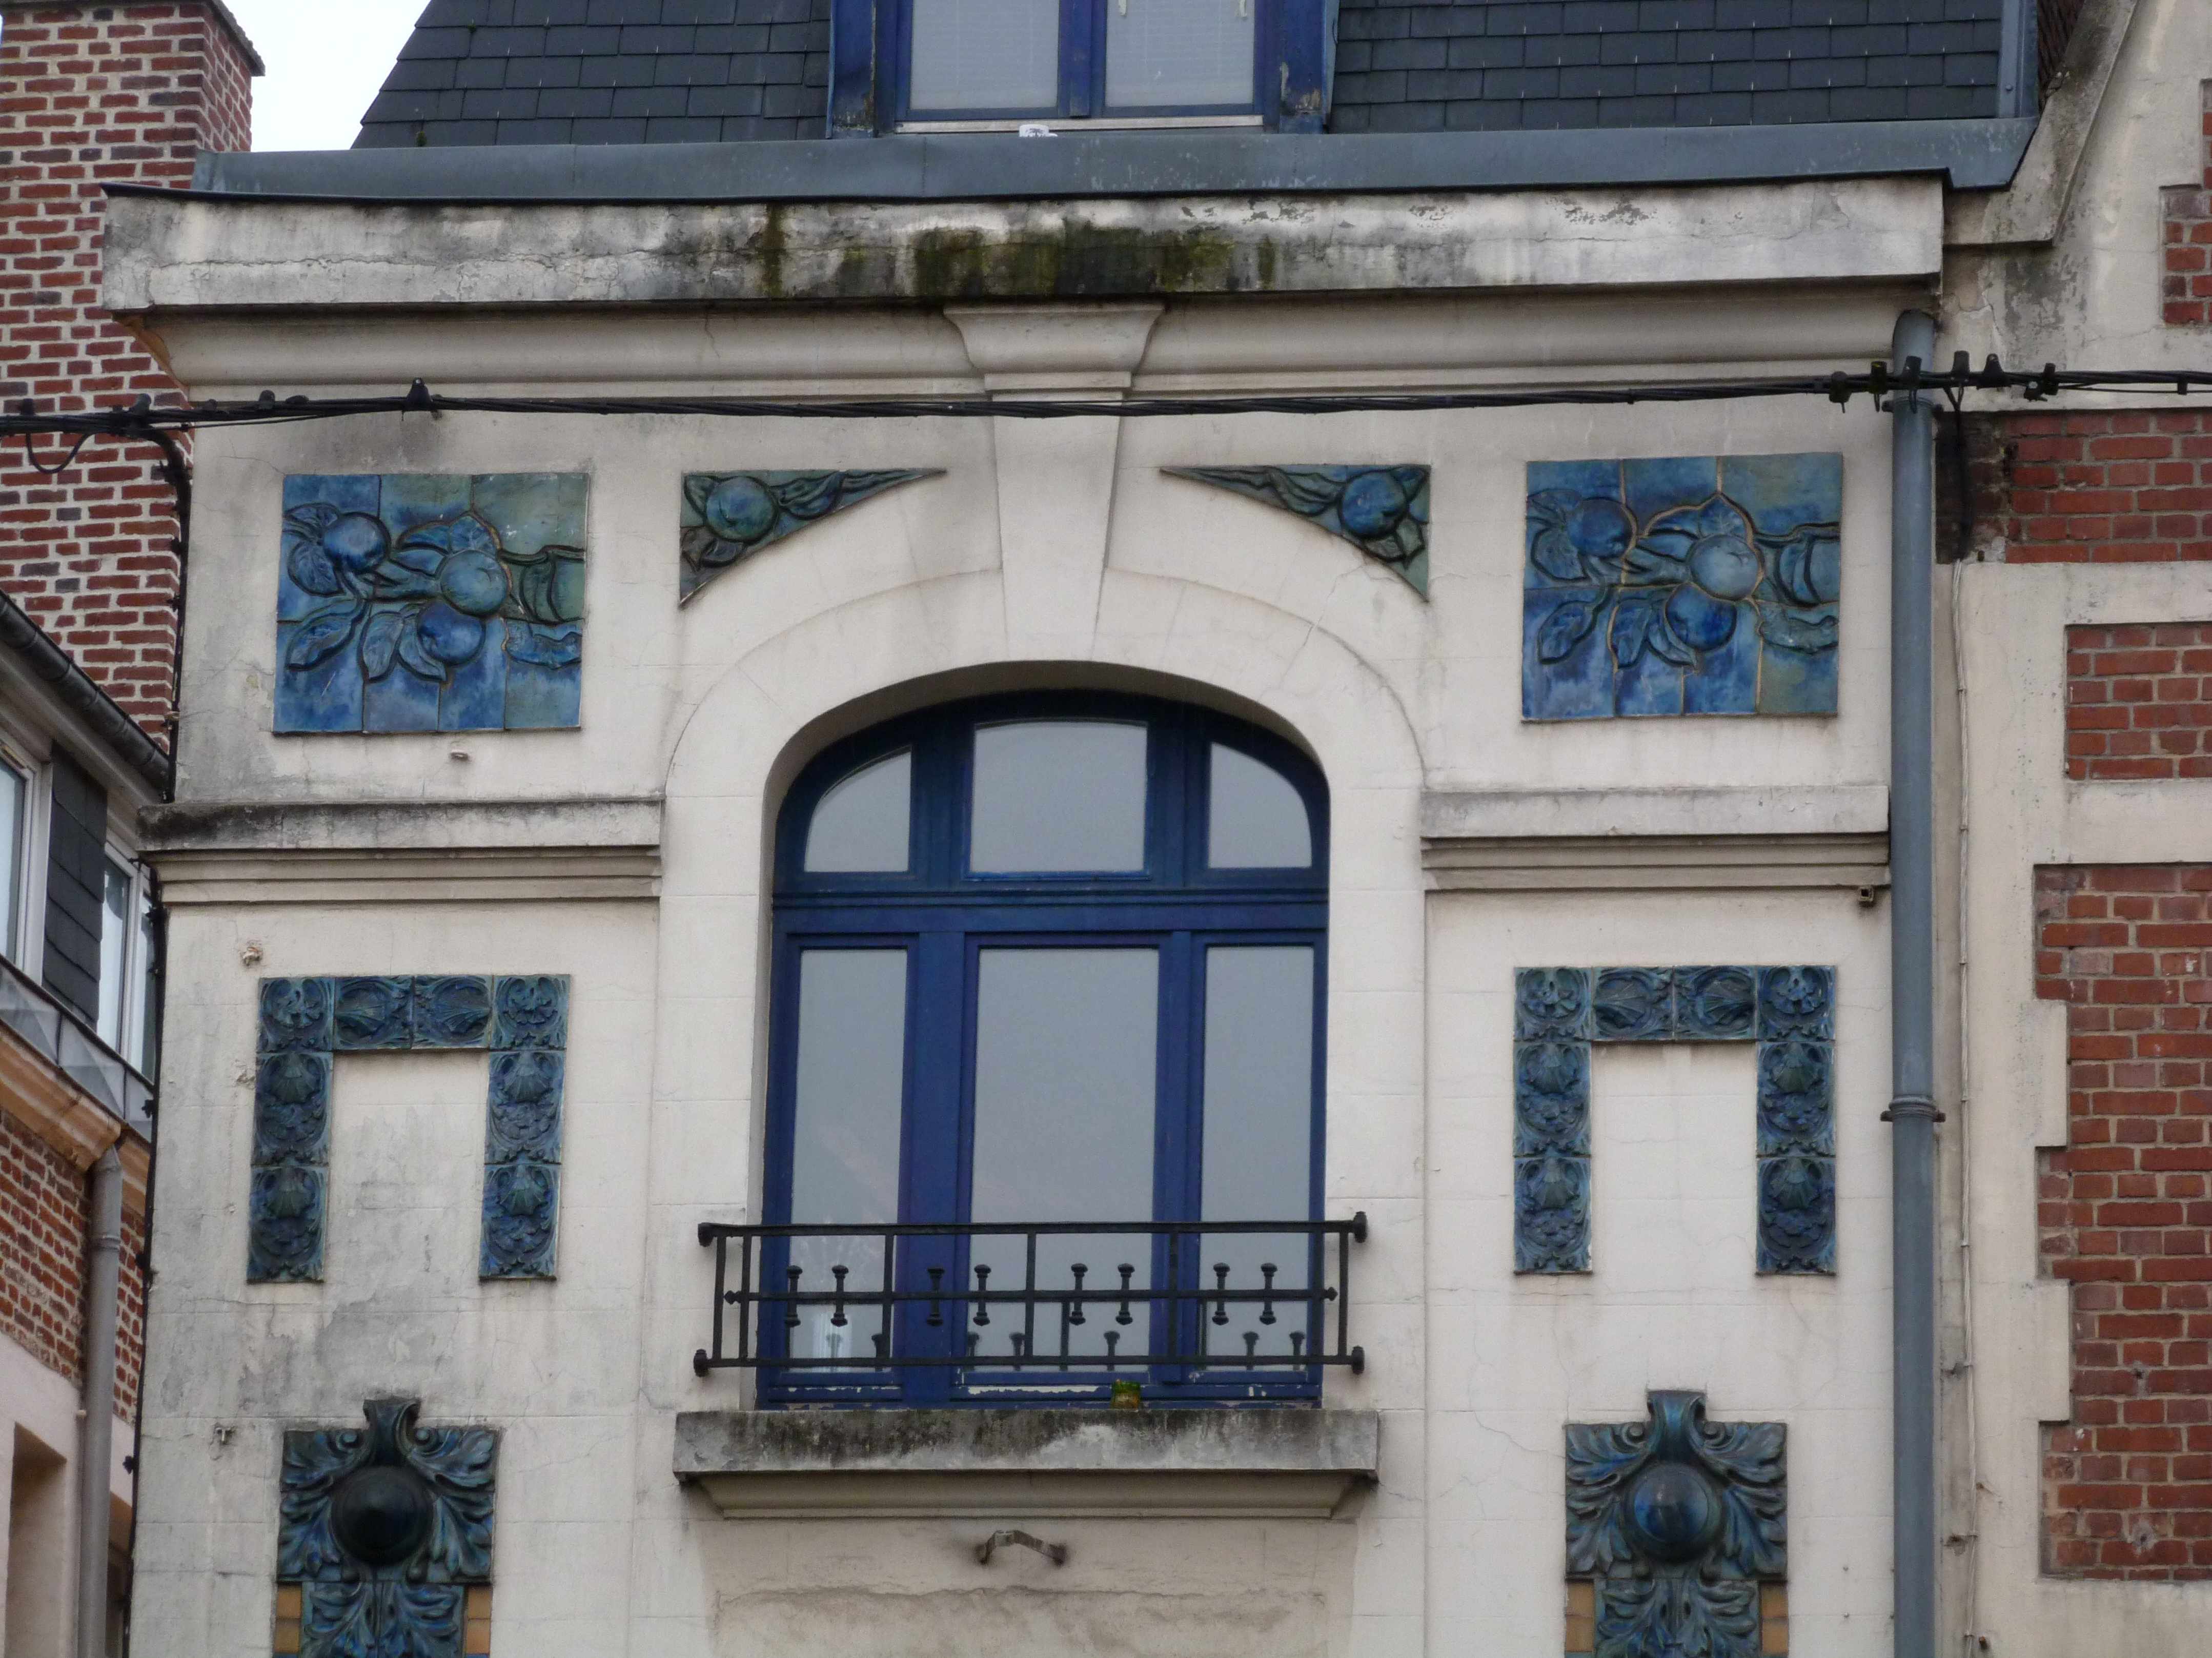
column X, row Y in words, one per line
column 2189, row 241
column 44, row 1211
column 90, row 94
column 2139, row 701
column 2129, row 488
column 2125, row 1216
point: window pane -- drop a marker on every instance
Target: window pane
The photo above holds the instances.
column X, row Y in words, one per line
column 115, row 929
column 1255, row 818
column 1065, row 1043
column 845, row 1150
column 1179, row 52
column 13, row 789
column 1258, row 1134
column 150, row 1011
column 986, row 54
column 860, row 825
column 1057, row 796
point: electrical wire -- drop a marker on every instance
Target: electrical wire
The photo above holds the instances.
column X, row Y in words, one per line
column 1878, row 381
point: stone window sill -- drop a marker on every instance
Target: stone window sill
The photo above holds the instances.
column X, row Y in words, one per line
column 1013, row 1463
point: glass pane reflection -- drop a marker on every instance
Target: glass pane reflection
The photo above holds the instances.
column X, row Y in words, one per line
column 845, row 1151
column 1255, row 818
column 985, row 55
column 1164, row 52
column 861, row 823
column 1066, row 1045
column 1057, row 797
column 1258, row 1165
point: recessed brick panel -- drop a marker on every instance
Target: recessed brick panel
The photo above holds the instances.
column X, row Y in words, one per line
column 2139, row 701
column 92, row 96
column 2125, row 1216
column 2132, row 487
column 2187, row 291
column 45, row 1214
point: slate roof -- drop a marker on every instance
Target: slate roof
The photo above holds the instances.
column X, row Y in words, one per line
column 606, row 72
column 1499, row 65
column 670, row 71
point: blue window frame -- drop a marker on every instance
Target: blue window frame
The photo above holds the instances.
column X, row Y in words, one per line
column 1098, row 62
column 957, row 1038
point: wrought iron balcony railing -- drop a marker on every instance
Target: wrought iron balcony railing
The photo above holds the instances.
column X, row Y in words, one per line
column 1201, row 1297
column 70, row 1045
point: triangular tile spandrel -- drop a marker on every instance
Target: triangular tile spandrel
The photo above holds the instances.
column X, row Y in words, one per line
column 729, row 516
column 1381, row 510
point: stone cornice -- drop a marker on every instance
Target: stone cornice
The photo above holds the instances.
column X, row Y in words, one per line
column 67, row 1119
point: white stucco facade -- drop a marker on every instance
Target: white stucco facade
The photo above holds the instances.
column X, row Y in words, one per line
column 632, row 855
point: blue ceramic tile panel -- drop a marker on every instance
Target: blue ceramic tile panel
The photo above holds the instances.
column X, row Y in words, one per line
column 1634, row 1005
column 1381, row 510
column 1559, row 1012
column 306, row 1023
column 416, row 602
column 1703, row 584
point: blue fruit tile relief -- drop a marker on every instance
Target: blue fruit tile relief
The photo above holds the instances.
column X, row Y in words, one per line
column 727, row 517
column 1677, row 1521
column 385, row 1531
column 1788, row 1012
column 307, row 1022
column 1381, row 510
column 1701, row 585
column 419, row 603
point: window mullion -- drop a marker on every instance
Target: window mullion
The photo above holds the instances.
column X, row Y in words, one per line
column 1082, row 58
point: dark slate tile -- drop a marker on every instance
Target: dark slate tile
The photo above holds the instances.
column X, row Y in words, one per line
column 506, row 43
column 1654, row 79
column 781, row 68
column 1352, row 57
column 1557, row 51
column 501, row 104
column 436, row 43
column 1560, row 114
column 1521, row 83
column 1950, row 103
column 1482, row 115
column 1675, row 13
column 677, row 129
column 1751, row 15
column 454, row 14
column 1597, row 81
column 420, row 75
column 617, row 129
column 463, row 133
column 551, row 13
column 734, row 38
column 475, row 74
column 1598, row 16
column 413, row 106
column 1409, row 118
column 1714, row 109
column 691, row 68
column 569, row 103
column 798, row 37
column 1479, row 51
column 597, row 41
column 1828, row 11
column 698, row 11
column 721, row 102
column 1538, row 17
column 1868, row 104
column 1638, row 47
column 1827, row 72
column 1874, row 41
column 617, row 72
column 801, row 103
column 1349, row 117
column 1970, row 70
column 653, row 39
column 543, row 71
column 1636, row 111
column 610, row 11
column 1409, row 54
column 1714, row 46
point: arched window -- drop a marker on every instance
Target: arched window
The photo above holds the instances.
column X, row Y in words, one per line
column 1042, row 963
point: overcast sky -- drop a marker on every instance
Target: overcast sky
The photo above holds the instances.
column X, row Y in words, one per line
column 326, row 60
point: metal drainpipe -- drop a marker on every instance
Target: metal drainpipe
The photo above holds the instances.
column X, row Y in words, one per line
column 95, row 1444
column 1912, row 1116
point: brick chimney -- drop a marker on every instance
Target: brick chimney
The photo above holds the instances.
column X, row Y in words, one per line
column 122, row 92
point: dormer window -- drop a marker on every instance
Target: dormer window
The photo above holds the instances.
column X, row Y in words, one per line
column 970, row 66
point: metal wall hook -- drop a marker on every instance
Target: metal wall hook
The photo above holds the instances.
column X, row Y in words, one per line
column 1056, row 1552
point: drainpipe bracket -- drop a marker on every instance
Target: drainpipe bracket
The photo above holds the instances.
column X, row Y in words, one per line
column 1913, row 1106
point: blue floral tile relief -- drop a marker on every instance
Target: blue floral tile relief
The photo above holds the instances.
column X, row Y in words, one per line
column 1699, row 585
column 1676, row 1521
column 1381, row 510
column 307, row 1022
column 1787, row 1012
column 727, row 517
column 422, row 603
column 385, row 1530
